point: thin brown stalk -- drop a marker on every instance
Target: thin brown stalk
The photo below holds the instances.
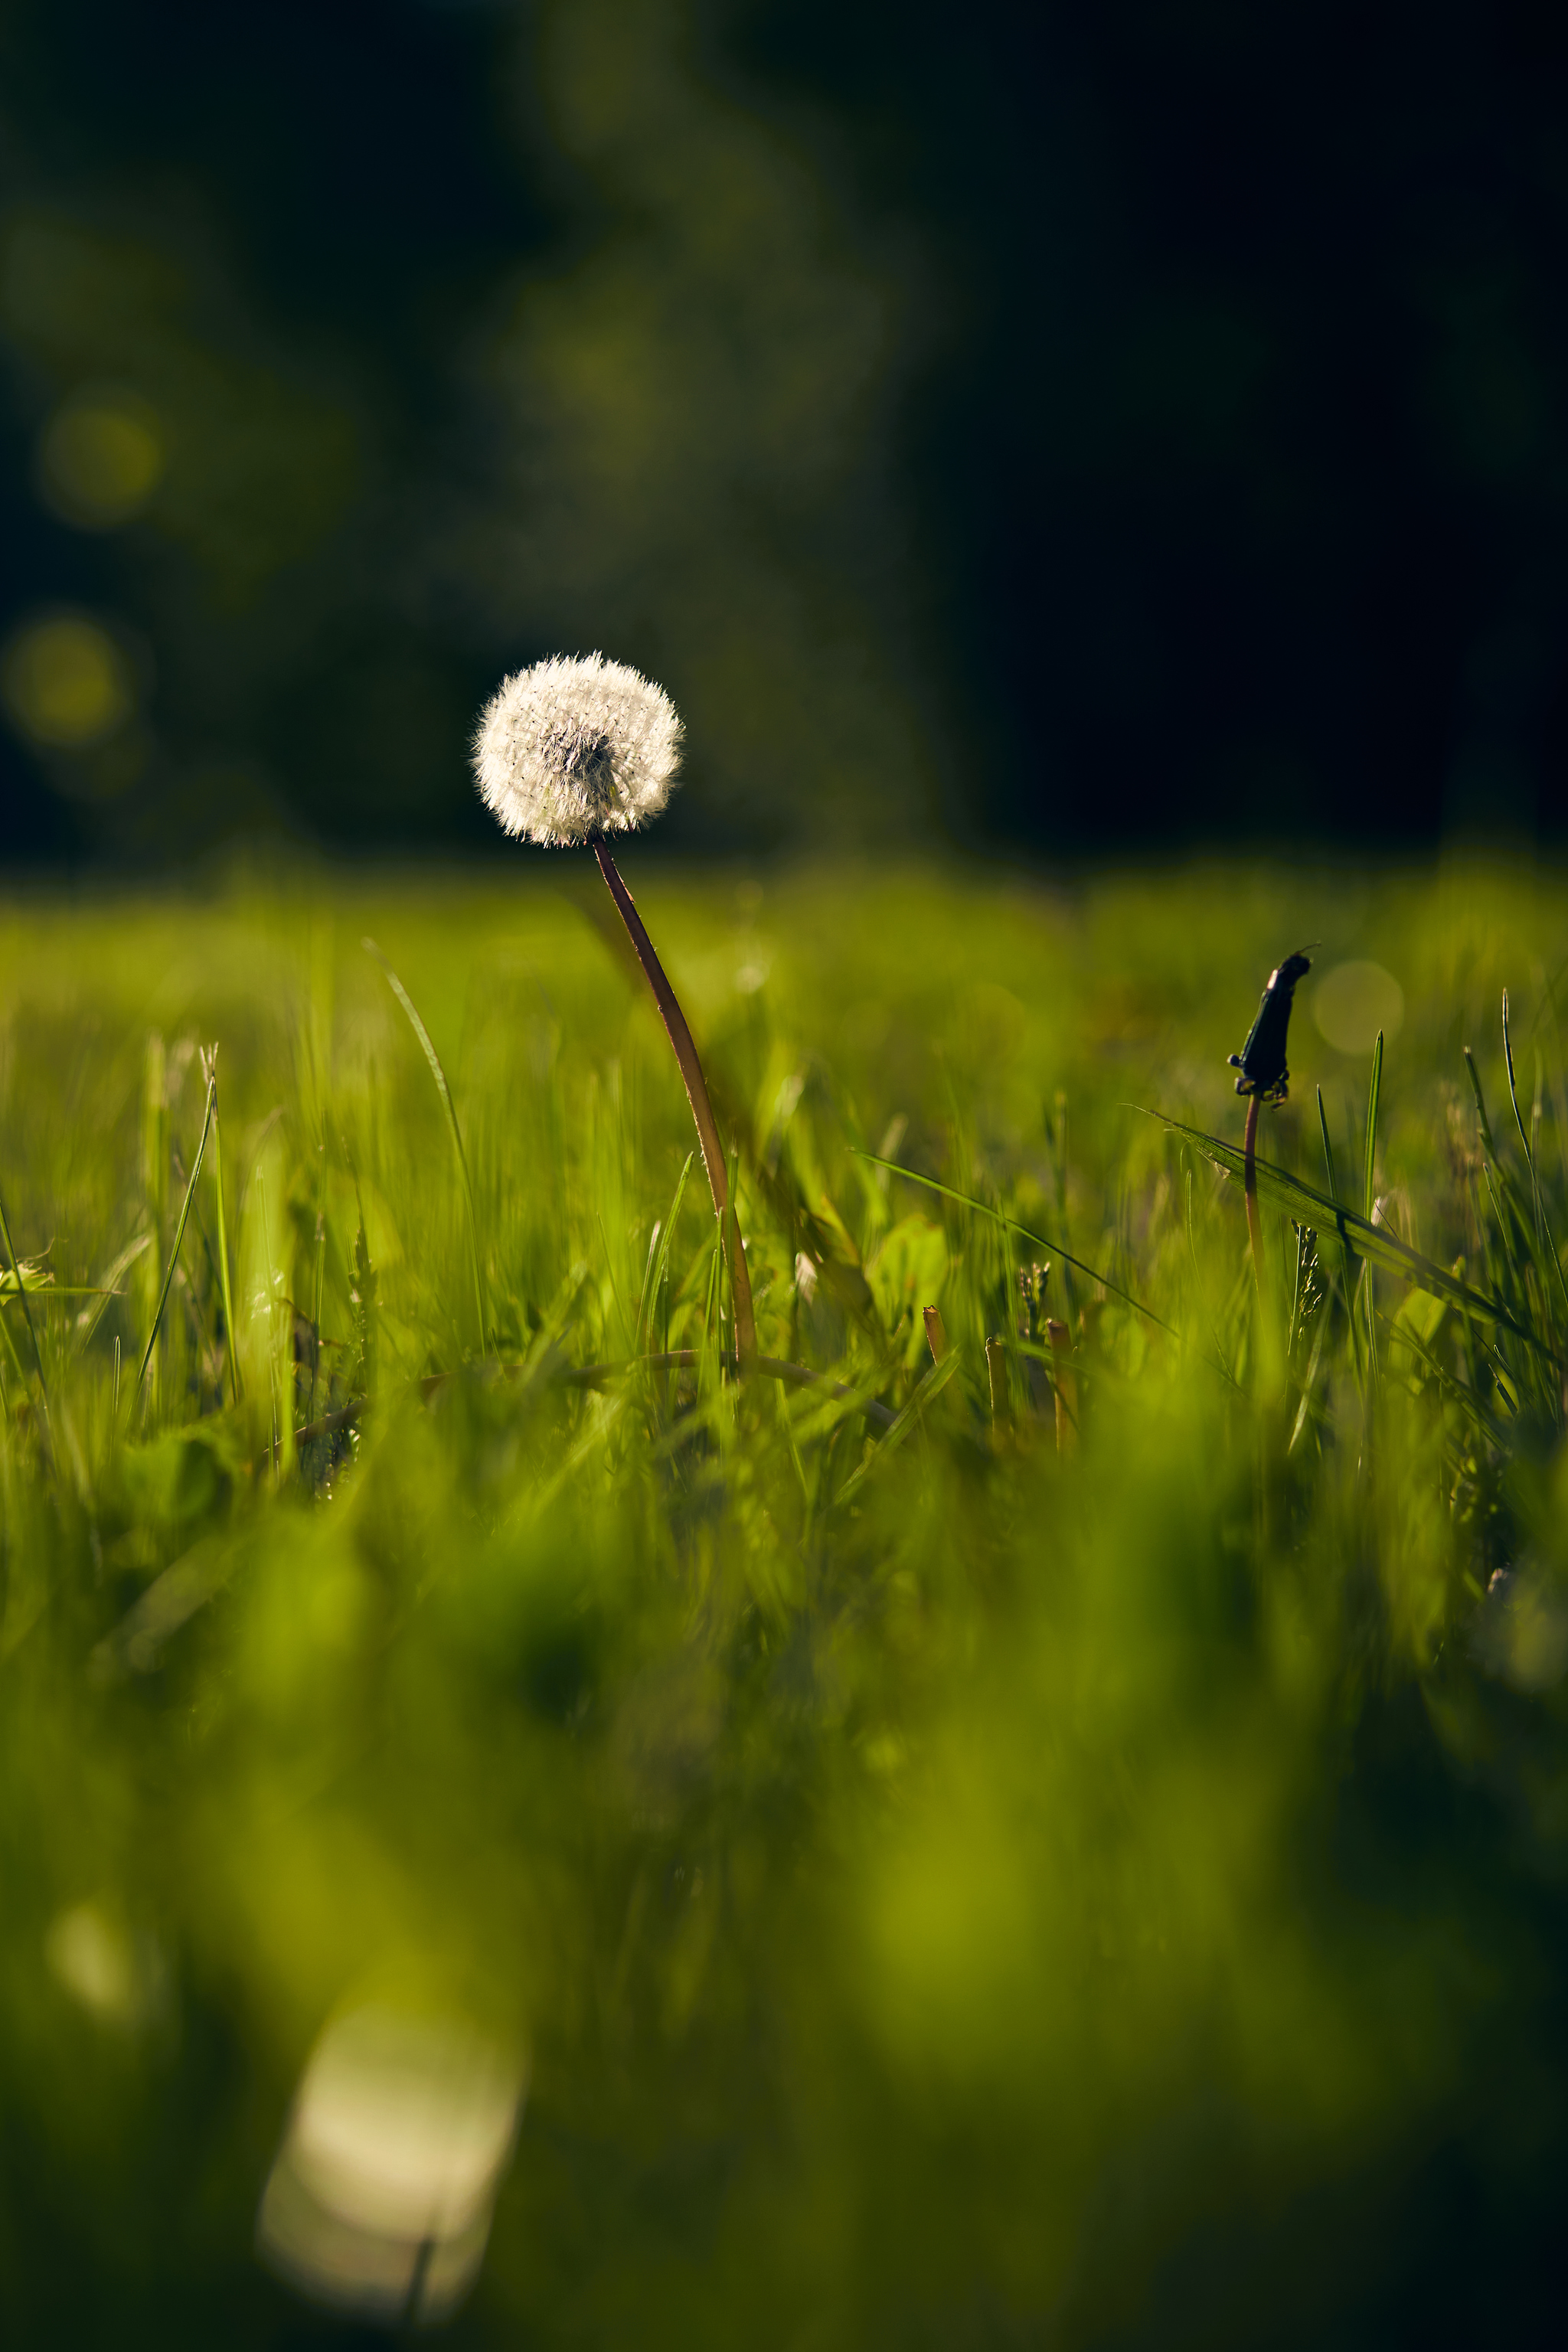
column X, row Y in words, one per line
column 674, row 1020
column 1249, row 1186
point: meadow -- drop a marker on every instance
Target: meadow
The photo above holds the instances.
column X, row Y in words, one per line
column 1060, row 1842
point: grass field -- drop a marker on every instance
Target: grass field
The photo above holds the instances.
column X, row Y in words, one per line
column 1066, row 1845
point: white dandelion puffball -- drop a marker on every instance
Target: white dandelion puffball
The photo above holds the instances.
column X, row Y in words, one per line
column 576, row 747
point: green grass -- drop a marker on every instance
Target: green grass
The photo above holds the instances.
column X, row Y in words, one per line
column 951, row 1892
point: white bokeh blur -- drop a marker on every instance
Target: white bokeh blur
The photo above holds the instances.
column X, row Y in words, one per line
column 380, row 2198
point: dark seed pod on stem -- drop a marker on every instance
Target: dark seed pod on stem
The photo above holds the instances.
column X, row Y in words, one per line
column 1265, row 1077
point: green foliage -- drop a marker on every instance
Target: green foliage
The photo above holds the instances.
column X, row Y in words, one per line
column 951, row 1890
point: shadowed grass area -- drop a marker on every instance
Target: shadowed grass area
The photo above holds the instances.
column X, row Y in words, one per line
column 949, row 1886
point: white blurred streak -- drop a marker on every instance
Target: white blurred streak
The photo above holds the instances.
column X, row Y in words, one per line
column 381, row 2196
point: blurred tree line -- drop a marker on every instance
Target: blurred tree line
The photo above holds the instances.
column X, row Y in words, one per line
column 1077, row 428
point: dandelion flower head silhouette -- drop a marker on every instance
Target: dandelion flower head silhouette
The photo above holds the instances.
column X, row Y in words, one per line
column 576, row 747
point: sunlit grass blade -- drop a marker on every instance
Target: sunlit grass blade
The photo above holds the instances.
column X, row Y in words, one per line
column 534, row 1501
column 734, row 1246
column 1329, row 1170
column 92, row 1317
column 36, row 1278
column 1347, row 1256
column 1544, row 1247
column 658, row 1254
column 1513, row 1088
column 1369, row 1180
column 15, row 1265
column 445, row 1091
column 862, row 1400
column 556, row 1317
column 1309, row 1381
column 12, row 1351
column 1368, row 1197
column 1497, row 1196
column 1377, row 1243
column 1401, row 1335
column 1011, row 1225
column 1475, row 1077
column 824, row 1403
column 179, row 1234
column 209, row 1068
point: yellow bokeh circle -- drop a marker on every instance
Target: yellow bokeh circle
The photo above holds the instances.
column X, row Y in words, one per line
column 102, row 458
column 1353, row 1002
column 65, row 683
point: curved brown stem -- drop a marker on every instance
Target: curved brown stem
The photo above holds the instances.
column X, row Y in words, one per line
column 674, row 1020
column 1249, row 1186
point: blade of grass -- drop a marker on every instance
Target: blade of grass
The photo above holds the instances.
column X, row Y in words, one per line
column 1545, row 1247
column 734, row 1246
column 1495, row 1194
column 930, row 1387
column 1369, row 1188
column 645, row 1293
column 34, row 1280
column 92, row 1317
column 772, row 1368
column 1475, row 1077
column 11, row 1350
column 27, row 1310
column 1401, row 1335
column 1376, row 1089
column 1011, row 1225
column 610, row 1271
column 1513, row 1092
column 209, row 1068
column 1377, row 1243
column 556, row 1317
column 1327, row 1150
column 316, row 1305
column 659, row 1265
column 445, row 1091
column 1311, row 1381
column 1346, row 1254
column 179, row 1234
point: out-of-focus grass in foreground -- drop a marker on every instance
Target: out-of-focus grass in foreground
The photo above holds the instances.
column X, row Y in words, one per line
column 943, row 1891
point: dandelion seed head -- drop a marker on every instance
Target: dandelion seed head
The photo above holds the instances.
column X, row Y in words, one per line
column 576, row 746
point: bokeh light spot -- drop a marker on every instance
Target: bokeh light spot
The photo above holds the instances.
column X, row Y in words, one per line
column 65, row 683
column 381, row 2197
column 118, row 1978
column 1354, row 1002
column 102, row 458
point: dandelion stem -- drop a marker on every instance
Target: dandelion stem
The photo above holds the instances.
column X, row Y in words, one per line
column 696, row 1093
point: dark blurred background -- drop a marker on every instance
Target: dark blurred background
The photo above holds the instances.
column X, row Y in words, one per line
column 1081, row 428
